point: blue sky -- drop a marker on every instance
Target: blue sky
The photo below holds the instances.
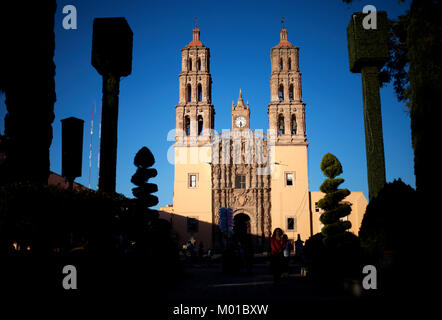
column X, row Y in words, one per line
column 239, row 35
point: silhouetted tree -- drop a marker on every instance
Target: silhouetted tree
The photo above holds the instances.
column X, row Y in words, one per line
column 27, row 79
column 415, row 67
column 41, row 227
column 144, row 160
column 154, row 243
column 143, row 219
column 388, row 219
column 394, row 238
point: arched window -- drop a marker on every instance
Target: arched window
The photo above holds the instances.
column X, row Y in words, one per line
column 289, row 64
column 209, row 94
column 200, row 124
column 198, row 64
column 291, row 92
column 280, row 64
column 187, row 125
column 188, row 93
column 281, row 93
column 294, row 125
column 200, row 92
column 280, row 124
column 189, row 65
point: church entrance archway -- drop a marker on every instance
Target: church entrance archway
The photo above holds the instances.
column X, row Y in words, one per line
column 241, row 224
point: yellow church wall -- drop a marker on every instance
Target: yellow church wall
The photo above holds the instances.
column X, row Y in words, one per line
column 194, row 202
column 290, row 200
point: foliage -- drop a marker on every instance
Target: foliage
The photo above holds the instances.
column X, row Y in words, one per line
column 333, row 253
column 388, row 220
column 424, row 41
column 397, row 66
column 143, row 160
column 316, row 255
column 101, row 233
column 334, row 210
column 151, row 234
column 328, row 264
column 27, row 48
column 48, row 217
column 415, row 67
column 330, row 166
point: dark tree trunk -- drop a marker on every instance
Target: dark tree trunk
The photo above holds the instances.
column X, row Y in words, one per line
column 425, row 75
column 27, row 78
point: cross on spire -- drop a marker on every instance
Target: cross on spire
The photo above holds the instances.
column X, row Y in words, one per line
column 283, row 21
column 195, row 20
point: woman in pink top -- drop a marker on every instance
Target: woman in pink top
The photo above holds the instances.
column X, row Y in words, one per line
column 277, row 246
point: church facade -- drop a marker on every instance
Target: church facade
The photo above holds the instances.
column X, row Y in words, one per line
column 261, row 176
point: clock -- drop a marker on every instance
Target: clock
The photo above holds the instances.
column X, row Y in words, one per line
column 240, row 122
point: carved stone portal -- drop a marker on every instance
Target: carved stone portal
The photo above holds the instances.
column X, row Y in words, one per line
column 239, row 186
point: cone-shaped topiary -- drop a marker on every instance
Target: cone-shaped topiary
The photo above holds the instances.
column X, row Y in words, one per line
column 334, row 208
column 143, row 160
column 151, row 235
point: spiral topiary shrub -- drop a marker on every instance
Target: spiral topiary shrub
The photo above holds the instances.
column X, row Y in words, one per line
column 334, row 209
column 334, row 253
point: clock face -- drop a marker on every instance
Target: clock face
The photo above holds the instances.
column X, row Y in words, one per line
column 240, row 122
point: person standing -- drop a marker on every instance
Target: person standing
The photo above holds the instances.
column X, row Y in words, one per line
column 299, row 248
column 200, row 253
column 209, row 257
column 287, row 251
column 277, row 245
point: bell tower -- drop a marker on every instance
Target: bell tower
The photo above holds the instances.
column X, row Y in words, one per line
column 288, row 142
column 194, row 112
column 192, row 196
column 286, row 109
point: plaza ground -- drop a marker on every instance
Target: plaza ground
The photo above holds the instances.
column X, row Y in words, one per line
column 202, row 282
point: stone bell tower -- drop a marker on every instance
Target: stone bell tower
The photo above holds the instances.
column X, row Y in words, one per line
column 286, row 110
column 288, row 141
column 192, row 197
column 194, row 112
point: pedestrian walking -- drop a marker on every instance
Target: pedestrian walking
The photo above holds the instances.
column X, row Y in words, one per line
column 277, row 245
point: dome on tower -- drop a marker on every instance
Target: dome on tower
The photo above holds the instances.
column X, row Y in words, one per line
column 283, row 39
column 196, row 39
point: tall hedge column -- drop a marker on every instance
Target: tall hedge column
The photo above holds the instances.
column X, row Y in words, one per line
column 368, row 51
column 109, row 132
column 112, row 57
column 374, row 143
